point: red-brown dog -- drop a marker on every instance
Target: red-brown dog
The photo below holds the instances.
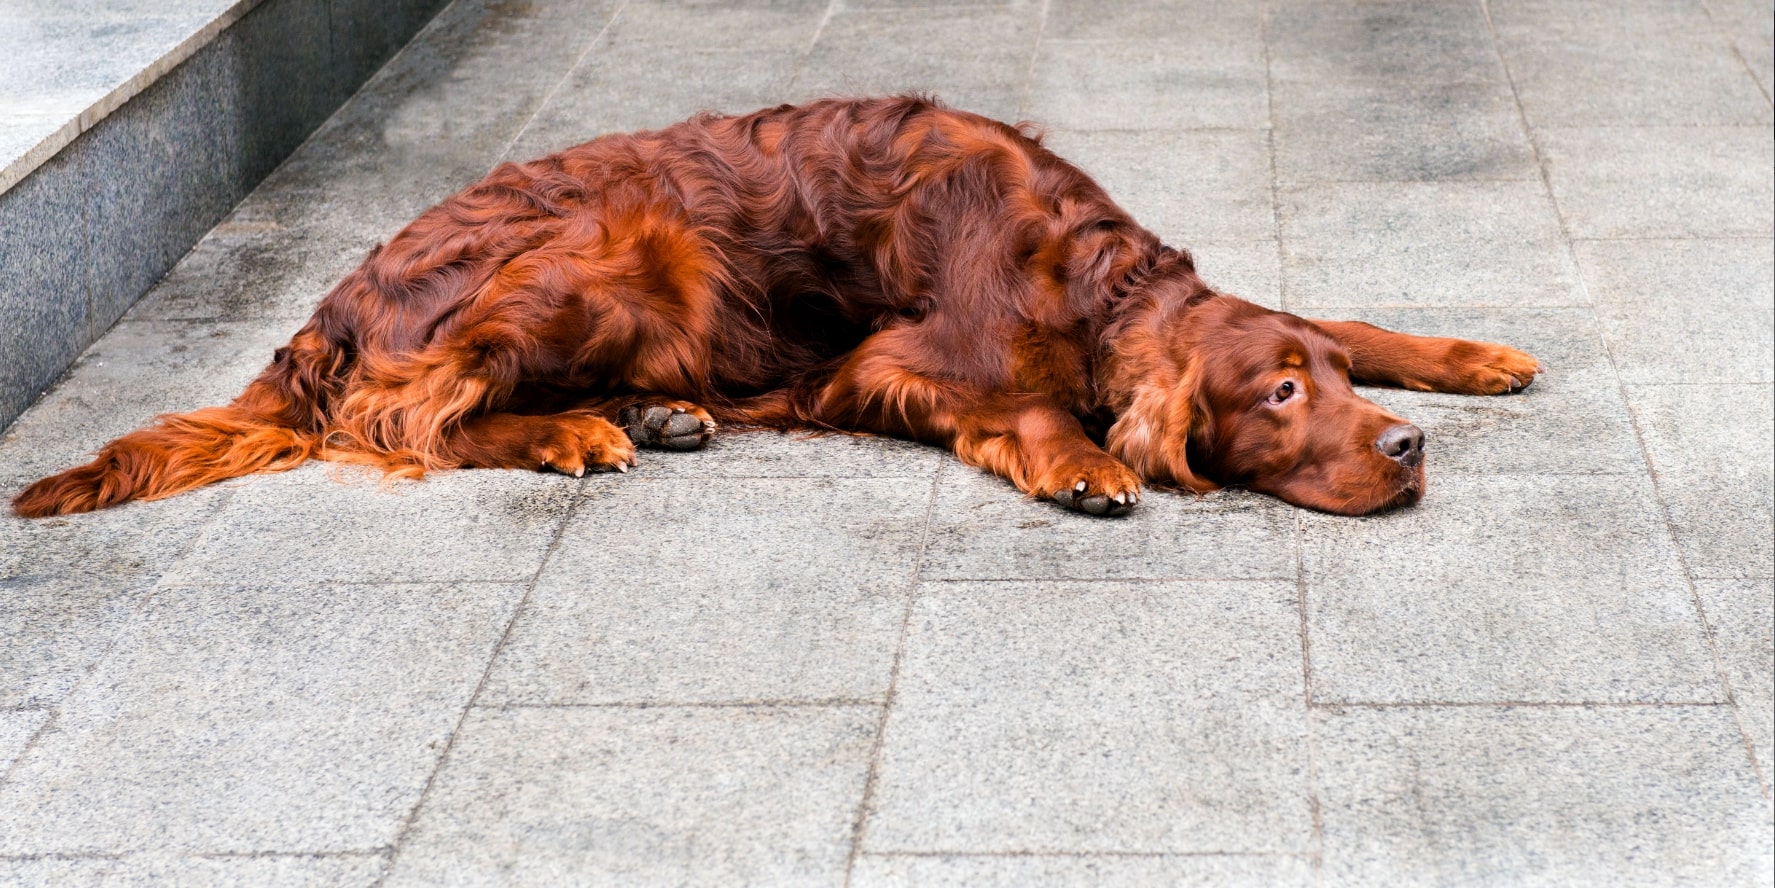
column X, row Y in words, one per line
column 885, row 266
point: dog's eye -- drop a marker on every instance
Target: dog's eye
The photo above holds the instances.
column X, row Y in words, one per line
column 1282, row 393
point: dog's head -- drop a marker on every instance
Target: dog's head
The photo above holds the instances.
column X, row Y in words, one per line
column 1223, row 392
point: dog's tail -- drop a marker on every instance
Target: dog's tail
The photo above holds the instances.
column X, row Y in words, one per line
column 275, row 425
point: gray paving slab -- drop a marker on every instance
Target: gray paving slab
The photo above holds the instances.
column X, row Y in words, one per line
column 57, row 628
column 1694, row 311
column 271, row 871
column 622, row 87
column 1172, row 20
column 1550, row 588
column 1595, row 17
column 994, row 871
column 241, row 719
column 1424, row 243
column 1752, row 32
column 762, row 23
column 1190, row 187
column 254, row 267
column 1069, row 687
column 1572, row 420
column 760, row 453
column 1621, row 182
column 976, row 59
column 981, row 528
column 1595, row 77
column 112, row 549
column 1097, row 717
column 1573, row 796
column 1713, row 469
column 714, row 590
column 1436, row 41
column 119, row 384
column 1251, row 271
column 328, row 523
column 1360, row 130
column 716, row 796
column 1015, row 5
column 138, row 371
column 1148, row 84
column 1741, row 620
column 51, row 872
column 17, row 727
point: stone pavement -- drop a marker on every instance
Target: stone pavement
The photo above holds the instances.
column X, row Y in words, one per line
column 785, row 662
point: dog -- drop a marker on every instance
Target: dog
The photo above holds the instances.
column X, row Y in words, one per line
column 882, row 266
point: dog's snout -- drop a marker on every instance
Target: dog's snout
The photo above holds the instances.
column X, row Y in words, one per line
column 1404, row 443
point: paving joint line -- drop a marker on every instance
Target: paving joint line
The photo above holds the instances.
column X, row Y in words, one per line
column 1315, row 802
column 872, row 776
column 834, row 703
column 1315, row 805
column 380, row 851
column 407, row 823
column 808, row 50
column 1711, row 385
column 1719, row 28
column 1763, row 127
column 504, row 153
column 1757, row 768
column 1332, row 706
column 1674, row 237
column 959, row 581
column 1269, row 103
column 1040, row 853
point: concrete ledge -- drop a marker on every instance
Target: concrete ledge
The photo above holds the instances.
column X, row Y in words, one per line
column 98, row 207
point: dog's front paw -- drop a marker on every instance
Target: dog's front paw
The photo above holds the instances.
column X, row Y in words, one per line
column 1105, row 490
column 583, row 441
column 1481, row 368
column 673, row 425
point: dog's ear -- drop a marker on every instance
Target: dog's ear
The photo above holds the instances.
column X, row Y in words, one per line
column 1152, row 433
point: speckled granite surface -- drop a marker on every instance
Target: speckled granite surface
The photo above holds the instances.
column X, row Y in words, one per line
column 854, row 661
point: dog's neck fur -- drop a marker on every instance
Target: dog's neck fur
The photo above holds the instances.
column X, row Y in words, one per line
column 1142, row 377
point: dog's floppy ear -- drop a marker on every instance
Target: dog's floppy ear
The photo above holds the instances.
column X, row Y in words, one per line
column 1152, row 432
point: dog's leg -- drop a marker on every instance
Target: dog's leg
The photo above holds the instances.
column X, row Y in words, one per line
column 1041, row 448
column 1023, row 437
column 569, row 443
column 1430, row 363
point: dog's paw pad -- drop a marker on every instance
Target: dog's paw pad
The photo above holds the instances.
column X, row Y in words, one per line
column 671, row 425
column 1109, row 496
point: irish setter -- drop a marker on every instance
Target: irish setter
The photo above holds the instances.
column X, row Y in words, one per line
column 884, row 266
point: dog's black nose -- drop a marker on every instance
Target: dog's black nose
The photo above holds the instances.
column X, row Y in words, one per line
column 1404, row 443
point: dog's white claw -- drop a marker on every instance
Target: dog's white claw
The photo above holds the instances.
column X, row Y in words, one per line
column 579, row 472
column 1079, row 487
column 622, row 467
column 1121, row 499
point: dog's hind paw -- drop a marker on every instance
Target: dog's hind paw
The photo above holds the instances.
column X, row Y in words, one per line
column 671, row 425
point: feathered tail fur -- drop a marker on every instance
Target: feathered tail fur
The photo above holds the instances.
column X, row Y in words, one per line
column 275, row 425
